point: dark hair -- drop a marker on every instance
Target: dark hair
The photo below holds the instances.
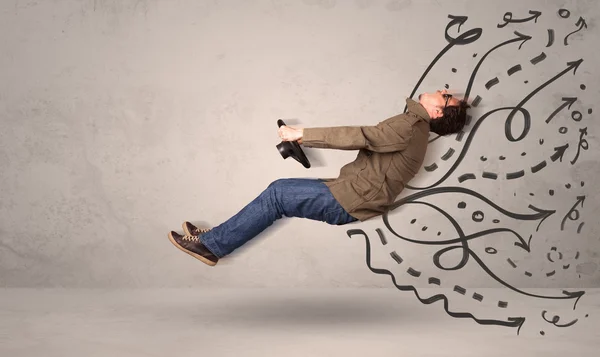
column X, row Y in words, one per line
column 452, row 121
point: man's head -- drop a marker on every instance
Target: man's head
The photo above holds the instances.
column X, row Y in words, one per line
column 448, row 114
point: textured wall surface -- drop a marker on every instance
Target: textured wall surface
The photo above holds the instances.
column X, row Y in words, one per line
column 120, row 119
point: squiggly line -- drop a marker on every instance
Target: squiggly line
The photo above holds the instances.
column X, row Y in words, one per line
column 437, row 281
column 555, row 319
column 467, row 252
column 512, row 321
column 542, row 214
column 581, row 23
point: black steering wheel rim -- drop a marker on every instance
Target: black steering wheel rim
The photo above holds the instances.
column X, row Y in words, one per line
column 292, row 149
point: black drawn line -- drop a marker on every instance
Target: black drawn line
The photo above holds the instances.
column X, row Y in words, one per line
column 541, row 214
column 559, row 151
column 581, row 23
column 459, row 135
column 577, row 255
column 514, row 175
column 520, row 37
column 448, row 154
column 466, row 177
column 511, row 263
column 538, row 59
column 413, row 272
column 431, row 167
column 478, row 297
column 381, row 236
column 555, row 320
column 549, row 257
column 528, row 273
column 573, row 210
column 434, row 139
column 583, row 144
column 492, row 82
column 396, row 257
column 550, row 37
column 580, row 226
column 551, row 273
column 435, row 281
column 476, row 101
column 512, row 321
column 518, row 244
column 489, row 175
column 502, row 304
column 538, row 167
column 514, row 69
column 508, row 18
column 568, row 102
column 566, row 266
column 460, row 289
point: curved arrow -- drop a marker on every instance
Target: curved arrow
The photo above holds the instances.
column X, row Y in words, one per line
column 520, row 37
column 543, row 214
column 568, row 101
column 508, row 124
column 581, row 23
column 508, row 18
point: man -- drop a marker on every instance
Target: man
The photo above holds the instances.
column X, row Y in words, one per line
column 390, row 154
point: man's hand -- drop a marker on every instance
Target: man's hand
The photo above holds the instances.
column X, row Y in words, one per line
column 287, row 133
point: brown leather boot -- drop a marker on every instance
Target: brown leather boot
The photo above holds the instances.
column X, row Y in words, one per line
column 192, row 230
column 192, row 245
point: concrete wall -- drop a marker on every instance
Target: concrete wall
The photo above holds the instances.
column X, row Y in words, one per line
column 121, row 119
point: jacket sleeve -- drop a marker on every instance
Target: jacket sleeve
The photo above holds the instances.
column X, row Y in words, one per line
column 390, row 135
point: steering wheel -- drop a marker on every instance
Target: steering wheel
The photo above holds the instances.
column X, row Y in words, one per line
column 292, row 149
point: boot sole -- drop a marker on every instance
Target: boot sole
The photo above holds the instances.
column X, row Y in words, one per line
column 185, row 229
column 199, row 257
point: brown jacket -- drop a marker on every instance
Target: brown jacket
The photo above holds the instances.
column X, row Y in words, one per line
column 390, row 154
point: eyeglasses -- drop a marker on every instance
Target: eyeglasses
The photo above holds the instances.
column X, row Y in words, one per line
column 447, row 97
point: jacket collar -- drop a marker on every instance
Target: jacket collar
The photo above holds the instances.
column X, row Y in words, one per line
column 417, row 109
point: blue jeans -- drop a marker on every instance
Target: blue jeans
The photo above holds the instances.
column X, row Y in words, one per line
column 290, row 197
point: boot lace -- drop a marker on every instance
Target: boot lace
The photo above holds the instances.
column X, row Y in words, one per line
column 194, row 239
column 200, row 231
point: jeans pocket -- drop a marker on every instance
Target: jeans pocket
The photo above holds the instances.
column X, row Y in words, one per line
column 338, row 217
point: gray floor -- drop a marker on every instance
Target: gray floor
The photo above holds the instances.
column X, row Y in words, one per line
column 267, row 322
